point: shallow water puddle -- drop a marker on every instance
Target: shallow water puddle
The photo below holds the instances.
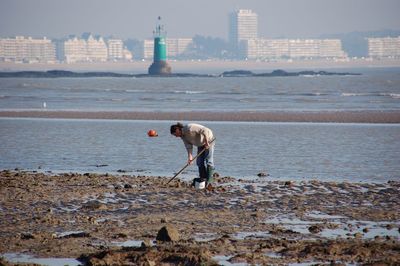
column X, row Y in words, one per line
column 128, row 243
column 24, row 258
column 245, row 235
column 205, row 237
column 365, row 229
column 319, row 263
column 224, row 261
column 323, row 216
column 131, row 243
column 344, row 228
column 274, row 255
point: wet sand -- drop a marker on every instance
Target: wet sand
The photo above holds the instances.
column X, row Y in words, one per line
column 283, row 116
column 105, row 219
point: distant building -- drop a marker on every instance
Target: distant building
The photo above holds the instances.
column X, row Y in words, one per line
column 27, row 50
column 387, row 47
column 115, row 49
column 73, row 50
column 292, row 48
column 148, row 49
column 243, row 26
column 331, row 48
column 178, row 46
column 91, row 50
column 175, row 47
column 265, row 48
column 96, row 49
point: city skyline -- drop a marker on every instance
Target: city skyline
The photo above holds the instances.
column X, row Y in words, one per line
column 133, row 19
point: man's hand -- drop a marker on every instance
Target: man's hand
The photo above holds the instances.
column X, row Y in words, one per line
column 206, row 145
column 190, row 159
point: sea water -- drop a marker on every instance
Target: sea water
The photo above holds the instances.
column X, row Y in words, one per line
column 299, row 151
column 326, row 151
column 375, row 89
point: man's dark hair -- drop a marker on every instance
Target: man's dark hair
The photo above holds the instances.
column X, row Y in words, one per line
column 174, row 127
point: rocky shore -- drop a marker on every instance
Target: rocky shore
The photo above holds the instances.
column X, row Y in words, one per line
column 234, row 73
column 139, row 220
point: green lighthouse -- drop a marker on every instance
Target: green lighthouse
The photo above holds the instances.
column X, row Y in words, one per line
column 160, row 65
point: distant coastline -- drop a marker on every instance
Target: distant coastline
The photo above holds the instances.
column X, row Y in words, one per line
column 207, row 66
column 234, row 73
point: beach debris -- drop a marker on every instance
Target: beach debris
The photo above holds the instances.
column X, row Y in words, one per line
column 168, row 233
column 26, row 236
column 128, row 186
column 250, row 188
column 262, row 174
column 315, row 229
column 94, row 205
column 120, row 235
column 152, row 133
column 121, row 171
column 289, row 184
column 74, row 234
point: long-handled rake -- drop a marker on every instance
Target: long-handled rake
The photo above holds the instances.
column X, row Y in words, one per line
column 195, row 157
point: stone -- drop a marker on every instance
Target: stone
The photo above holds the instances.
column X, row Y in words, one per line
column 315, row 229
column 262, row 174
column 146, row 244
column 168, row 233
column 26, row 236
column 127, row 186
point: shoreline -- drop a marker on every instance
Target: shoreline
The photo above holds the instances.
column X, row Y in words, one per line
column 105, row 219
column 384, row 117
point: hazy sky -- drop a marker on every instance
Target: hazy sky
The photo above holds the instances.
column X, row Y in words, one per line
column 186, row 18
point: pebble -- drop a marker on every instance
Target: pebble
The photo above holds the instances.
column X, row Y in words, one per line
column 262, row 174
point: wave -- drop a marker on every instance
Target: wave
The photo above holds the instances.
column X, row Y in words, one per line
column 134, row 91
column 392, row 95
column 383, row 94
column 351, row 94
column 189, row 92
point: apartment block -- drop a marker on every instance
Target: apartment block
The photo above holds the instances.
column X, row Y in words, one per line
column 91, row 50
column 96, row 49
column 331, row 48
column 115, row 49
column 81, row 50
column 265, row 48
column 292, row 48
column 387, row 47
column 148, row 49
column 303, row 48
column 28, row 50
column 243, row 26
column 175, row 47
column 73, row 50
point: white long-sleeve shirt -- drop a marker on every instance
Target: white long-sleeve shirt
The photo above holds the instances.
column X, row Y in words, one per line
column 195, row 134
